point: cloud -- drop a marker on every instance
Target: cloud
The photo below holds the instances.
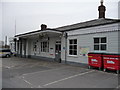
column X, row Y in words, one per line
column 58, row 0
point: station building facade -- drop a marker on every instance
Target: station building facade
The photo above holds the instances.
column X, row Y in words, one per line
column 71, row 43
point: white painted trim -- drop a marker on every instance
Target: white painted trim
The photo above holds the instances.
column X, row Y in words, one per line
column 100, row 43
column 51, row 31
column 76, row 56
column 92, row 32
column 97, row 29
column 40, row 32
column 99, row 36
column 68, row 48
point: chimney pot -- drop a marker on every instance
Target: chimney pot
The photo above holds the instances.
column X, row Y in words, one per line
column 101, row 10
column 43, row 26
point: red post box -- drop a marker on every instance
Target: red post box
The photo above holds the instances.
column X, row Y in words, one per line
column 95, row 60
column 111, row 62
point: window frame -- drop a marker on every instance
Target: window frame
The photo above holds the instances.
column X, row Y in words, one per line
column 73, row 44
column 100, row 43
column 44, row 46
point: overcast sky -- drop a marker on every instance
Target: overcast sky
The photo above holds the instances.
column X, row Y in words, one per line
column 29, row 14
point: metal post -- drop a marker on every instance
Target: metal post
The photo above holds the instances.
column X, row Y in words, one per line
column 15, row 44
column 5, row 41
column 20, row 47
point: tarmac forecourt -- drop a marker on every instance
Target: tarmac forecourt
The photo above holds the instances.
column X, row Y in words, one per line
column 30, row 73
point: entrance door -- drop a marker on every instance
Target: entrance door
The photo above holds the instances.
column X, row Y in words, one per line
column 58, row 51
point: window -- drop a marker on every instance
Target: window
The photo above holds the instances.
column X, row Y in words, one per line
column 73, row 47
column 58, row 46
column 45, row 46
column 100, row 43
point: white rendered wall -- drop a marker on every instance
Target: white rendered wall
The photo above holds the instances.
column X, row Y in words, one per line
column 50, row 54
column 85, row 39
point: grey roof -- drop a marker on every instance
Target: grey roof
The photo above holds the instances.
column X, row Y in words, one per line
column 36, row 31
column 91, row 23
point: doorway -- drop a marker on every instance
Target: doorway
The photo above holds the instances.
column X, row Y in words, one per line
column 58, row 51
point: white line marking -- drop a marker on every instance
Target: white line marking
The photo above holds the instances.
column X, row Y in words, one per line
column 68, row 78
column 39, row 86
column 7, row 67
column 27, row 82
column 118, row 86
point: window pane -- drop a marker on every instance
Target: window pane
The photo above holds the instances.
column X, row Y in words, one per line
column 44, row 46
column 103, row 46
column 75, row 47
column 75, row 41
column 56, row 47
column 59, row 47
column 71, row 47
column 96, row 40
column 70, row 41
column 70, row 52
column 96, row 47
column 103, row 40
column 75, row 52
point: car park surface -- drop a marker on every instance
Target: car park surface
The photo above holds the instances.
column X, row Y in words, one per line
column 32, row 73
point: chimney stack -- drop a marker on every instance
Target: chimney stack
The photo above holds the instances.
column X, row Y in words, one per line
column 43, row 26
column 101, row 10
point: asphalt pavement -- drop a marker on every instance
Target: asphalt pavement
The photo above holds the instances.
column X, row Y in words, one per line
column 32, row 73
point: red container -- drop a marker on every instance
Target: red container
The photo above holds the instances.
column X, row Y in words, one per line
column 111, row 62
column 95, row 60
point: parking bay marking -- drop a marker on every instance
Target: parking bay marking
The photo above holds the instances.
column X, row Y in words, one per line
column 8, row 67
column 27, row 82
column 67, row 78
column 118, row 87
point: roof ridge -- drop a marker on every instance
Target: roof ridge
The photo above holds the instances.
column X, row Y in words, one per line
column 74, row 24
column 94, row 22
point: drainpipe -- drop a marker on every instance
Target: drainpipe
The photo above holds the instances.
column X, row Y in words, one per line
column 15, row 43
column 21, row 47
column 66, row 47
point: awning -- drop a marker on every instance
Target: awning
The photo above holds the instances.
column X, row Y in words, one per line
column 49, row 32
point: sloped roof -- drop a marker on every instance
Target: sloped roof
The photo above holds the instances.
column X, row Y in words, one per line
column 36, row 32
column 87, row 24
column 91, row 23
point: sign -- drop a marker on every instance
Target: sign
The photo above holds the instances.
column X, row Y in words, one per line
column 94, row 60
column 64, row 48
column 110, row 62
column 84, row 51
column 51, row 51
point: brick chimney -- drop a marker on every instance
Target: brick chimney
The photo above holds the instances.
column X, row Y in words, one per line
column 101, row 10
column 43, row 26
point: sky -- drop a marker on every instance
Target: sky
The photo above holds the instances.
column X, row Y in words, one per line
column 30, row 14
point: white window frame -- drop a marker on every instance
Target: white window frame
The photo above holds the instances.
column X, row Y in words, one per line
column 45, row 46
column 72, row 49
column 100, row 43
